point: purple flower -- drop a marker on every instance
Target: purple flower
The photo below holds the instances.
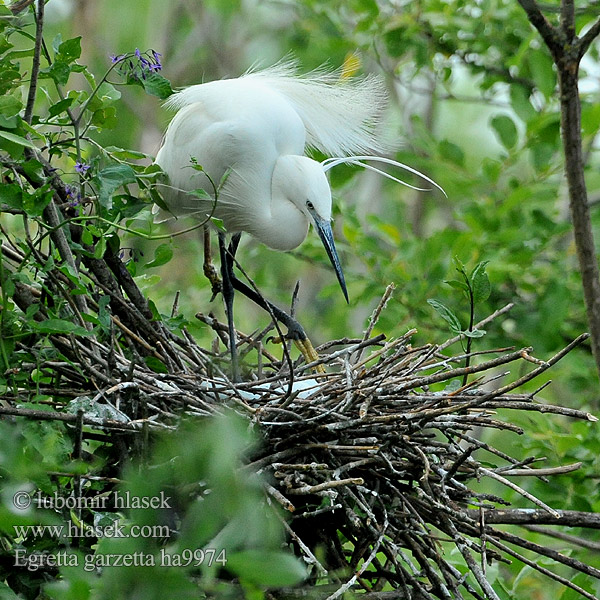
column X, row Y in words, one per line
column 157, row 65
column 73, row 195
column 81, row 167
column 139, row 64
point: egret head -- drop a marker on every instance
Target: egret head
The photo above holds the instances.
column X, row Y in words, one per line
column 302, row 182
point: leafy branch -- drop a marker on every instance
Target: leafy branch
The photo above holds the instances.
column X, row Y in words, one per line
column 476, row 287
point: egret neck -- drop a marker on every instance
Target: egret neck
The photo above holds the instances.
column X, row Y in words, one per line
column 300, row 194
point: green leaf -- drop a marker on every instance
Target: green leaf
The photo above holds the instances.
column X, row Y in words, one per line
column 396, row 41
column 521, row 104
column 11, row 195
column 458, row 285
column 158, row 366
column 162, row 255
column 100, row 248
column 10, row 106
column 108, row 93
column 60, row 107
column 452, row 152
column 506, row 130
column 17, row 139
column 69, row 50
column 480, row 283
column 542, row 71
column 59, row 326
column 124, row 154
column 153, row 83
column 459, row 266
column 157, row 85
column 475, row 333
column 105, row 118
column 104, row 311
column 56, row 42
column 446, row 314
column 268, row 568
column 542, row 156
column 34, row 204
column 590, row 117
column 110, row 179
column 218, row 223
column 58, row 70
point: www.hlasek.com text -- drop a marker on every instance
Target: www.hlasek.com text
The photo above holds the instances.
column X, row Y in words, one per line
column 112, row 530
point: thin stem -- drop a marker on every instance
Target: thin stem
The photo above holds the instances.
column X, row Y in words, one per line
column 35, row 66
column 77, row 121
column 469, row 338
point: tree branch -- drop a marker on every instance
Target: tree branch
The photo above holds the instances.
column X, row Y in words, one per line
column 567, row 52
column 550, row 34
column 591, row 34
column 512, row 516
column 567, row 20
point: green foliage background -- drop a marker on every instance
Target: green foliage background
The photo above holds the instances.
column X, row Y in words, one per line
column 474, row 106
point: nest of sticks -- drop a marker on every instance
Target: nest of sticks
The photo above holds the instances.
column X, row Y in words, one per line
column 374, row 461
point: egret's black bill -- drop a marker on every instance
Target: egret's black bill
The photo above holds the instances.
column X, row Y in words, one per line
column 326, row 234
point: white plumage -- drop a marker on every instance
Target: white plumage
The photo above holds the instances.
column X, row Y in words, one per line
column 250, row 136
column 256, row 129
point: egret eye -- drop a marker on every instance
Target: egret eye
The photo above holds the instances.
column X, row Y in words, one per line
column 310, row 205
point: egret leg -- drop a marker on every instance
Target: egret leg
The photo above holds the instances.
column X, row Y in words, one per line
column 295, row 330
column 227, row 289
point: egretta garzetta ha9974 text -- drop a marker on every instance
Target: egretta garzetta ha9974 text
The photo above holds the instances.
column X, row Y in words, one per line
column 251, row 133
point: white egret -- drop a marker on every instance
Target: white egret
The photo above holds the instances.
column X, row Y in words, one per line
column 252, row 133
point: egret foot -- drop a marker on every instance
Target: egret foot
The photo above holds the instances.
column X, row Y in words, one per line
column 303, row 343
column 310, row 354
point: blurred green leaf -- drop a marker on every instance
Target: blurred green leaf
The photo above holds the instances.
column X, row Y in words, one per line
column 452, row 152
column 542, row 71
column 456, row 284
column 505, row 129
column 266, row 568
column 521, row 103
column 474, row 333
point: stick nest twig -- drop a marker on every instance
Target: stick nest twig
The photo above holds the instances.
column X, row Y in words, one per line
column 375, row 461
